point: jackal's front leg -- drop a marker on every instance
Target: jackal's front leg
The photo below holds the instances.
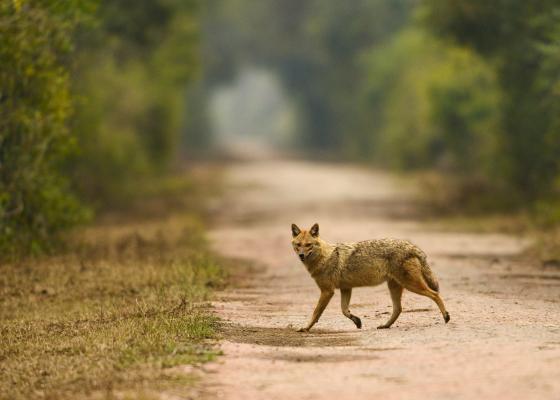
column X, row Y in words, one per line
column 326, row 296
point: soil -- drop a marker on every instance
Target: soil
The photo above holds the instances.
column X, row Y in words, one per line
column 503, row 340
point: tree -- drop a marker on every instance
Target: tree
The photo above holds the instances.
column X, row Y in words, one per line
column 35, row 200
column 521, row 39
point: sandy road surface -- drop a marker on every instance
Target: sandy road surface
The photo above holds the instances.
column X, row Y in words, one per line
column 503, row 341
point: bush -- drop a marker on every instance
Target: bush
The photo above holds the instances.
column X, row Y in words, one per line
column 87, row 108
column 428, row 117
column 520, row 40
column 130, row 87
column 35, row 201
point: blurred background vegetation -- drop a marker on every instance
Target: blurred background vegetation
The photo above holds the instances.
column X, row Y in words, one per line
column 100, row 98
column 91, row 97
column 465, row 91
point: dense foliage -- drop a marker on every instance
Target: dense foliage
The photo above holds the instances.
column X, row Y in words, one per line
column 91, row 99
column 35, row 201
column 131, row 71
column 469, row 88
column 428, row 116
column 521, row 40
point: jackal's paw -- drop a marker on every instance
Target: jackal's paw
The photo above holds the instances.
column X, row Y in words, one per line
column 302, row 330
column 384, row 326
column 357, row 321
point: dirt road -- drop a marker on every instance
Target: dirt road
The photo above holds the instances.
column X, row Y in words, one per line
column 503, row 341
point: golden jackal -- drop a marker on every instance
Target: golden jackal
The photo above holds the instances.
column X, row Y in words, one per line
column 345, row 266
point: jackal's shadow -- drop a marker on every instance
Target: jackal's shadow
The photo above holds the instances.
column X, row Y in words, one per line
column 287, row 337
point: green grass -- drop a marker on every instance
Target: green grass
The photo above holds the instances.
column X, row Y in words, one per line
column 113, row 316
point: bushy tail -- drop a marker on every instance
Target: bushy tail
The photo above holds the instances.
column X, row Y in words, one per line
column 429, row 276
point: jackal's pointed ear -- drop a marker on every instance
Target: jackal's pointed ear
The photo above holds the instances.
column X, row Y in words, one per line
column 295, row 230
column 314, row 230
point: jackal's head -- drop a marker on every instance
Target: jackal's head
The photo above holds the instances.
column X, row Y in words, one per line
column 306, row 243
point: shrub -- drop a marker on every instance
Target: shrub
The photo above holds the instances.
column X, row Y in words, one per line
column 35, row 202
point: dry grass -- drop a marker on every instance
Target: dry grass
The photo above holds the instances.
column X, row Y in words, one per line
column 453, row 206
column 109, row 318
column 546, row 248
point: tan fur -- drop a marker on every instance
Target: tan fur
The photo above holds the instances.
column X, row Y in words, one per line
column 369, row 263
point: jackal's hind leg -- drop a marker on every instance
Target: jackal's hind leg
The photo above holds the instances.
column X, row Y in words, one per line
column 415, row 282
column 345, row 295
column 396, row 294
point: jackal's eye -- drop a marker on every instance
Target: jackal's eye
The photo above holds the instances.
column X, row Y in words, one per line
column 297, row 244
column 309, row 245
